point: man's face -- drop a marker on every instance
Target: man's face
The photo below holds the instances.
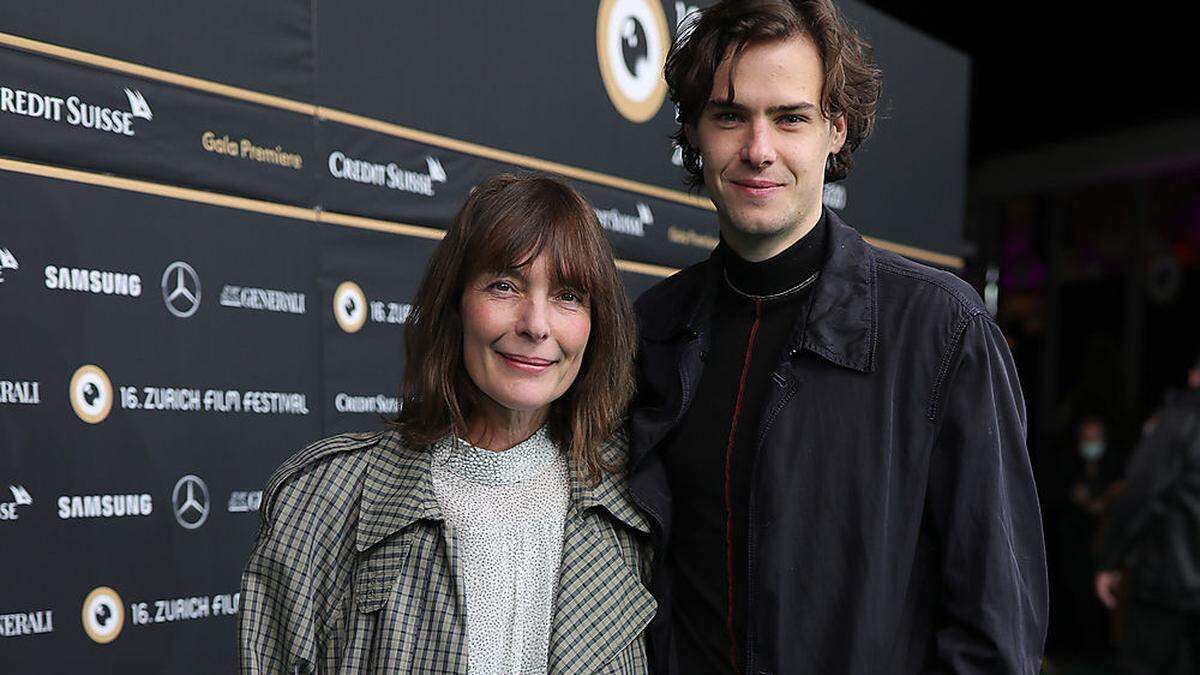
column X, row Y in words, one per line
column 764, row 152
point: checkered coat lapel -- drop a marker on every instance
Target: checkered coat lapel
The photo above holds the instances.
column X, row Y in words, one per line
column 603, row 605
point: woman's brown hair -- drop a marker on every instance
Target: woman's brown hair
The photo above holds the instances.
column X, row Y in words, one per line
column 851, row 86
column 506, row 223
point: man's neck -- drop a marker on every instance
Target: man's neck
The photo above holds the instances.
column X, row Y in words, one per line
column 757, row 248
column 784, row 271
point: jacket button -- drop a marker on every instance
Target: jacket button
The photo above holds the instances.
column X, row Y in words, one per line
column 703, row 357
column 793, row 353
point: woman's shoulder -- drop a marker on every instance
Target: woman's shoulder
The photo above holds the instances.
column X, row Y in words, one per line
column 324, row 473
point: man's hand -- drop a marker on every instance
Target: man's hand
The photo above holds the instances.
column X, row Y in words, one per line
column 1107, row 582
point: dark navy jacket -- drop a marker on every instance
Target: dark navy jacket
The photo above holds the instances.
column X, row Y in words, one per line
column 1154, row 525
column 894, row 525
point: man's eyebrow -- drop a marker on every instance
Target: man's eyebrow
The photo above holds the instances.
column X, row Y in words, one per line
column 803, row 106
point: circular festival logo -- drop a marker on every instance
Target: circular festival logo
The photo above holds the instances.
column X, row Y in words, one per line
column 631, row 43
column 349, row 306
column 91, row 394
column 103, row 615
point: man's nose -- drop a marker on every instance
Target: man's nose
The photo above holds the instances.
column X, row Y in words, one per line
column 758, row 148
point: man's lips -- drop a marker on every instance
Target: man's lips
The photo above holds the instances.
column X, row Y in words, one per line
column 755, row 187
column 526, row 363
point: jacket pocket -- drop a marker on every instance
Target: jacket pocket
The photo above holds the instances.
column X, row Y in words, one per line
column 378, row 571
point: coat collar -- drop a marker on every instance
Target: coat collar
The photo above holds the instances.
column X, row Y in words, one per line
column 611, row 492
column 840, row 323
column 398, row 491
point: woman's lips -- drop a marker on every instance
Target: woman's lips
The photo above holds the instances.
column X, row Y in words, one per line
column 529, row 364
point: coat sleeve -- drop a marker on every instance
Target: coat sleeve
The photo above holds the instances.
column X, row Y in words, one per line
column 1154, row 469
column 276, row 621
column 983, row 506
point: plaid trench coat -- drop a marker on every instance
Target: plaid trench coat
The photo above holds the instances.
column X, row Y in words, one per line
column 353, row 571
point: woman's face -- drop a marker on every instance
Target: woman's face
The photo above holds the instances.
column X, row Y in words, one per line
column 523, row 336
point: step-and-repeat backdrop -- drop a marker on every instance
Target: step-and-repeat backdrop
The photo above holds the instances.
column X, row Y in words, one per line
column 213, row 218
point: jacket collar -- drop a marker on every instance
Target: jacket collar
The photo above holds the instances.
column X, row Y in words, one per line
column 841, row 320
column 398, row 491
column 842, row 323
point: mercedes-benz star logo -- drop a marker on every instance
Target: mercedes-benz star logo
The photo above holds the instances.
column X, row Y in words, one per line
column 181, row 289
column 190, row 500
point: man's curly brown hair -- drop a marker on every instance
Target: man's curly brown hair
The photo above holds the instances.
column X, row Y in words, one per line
column 852, row 81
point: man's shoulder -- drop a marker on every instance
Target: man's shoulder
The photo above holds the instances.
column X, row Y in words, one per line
column 661, row 306
column 909, row 283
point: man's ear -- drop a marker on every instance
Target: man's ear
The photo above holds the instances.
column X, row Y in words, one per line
column 837, row 134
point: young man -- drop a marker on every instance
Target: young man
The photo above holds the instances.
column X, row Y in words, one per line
column 830, row 437
column 1154, row 527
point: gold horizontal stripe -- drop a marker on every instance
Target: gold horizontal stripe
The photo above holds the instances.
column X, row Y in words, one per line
column 645, row 268
column 537, row 164
column 260, row 206
column 149, row 73
column 436, row 140
column 347, row 220
column 351, row 119
column 159, row 189
column 940, row 259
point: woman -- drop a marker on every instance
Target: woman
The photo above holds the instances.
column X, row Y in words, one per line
column 489, row 531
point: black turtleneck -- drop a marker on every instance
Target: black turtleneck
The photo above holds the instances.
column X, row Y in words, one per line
column 709, row 457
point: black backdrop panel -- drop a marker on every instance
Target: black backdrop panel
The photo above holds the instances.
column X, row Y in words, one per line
column 228, row 349
column 363, row 325
column 909, row 180
column 522, row 76
column 380, row 176
column 71, row 115
column 262, row 46
column 652, row 230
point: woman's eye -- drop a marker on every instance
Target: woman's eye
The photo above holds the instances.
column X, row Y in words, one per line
column 502, row 286
column 571, row 297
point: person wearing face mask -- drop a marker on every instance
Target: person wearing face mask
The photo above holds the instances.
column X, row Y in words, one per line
column 1084, row 625
column 1151, row 544
column 1088, row 492
column 489, row 530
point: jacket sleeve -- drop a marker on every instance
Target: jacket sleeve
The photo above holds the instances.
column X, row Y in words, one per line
column 983, row 506
column 276, row 621
column 1155, row 467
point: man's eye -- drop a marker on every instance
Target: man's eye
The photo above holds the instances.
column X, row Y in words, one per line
column 726, row 117
column 794, row 119
column 570, row 296
column 502, row 286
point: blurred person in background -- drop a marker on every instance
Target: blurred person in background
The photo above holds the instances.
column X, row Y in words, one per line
column 490, row 530
column 1089, row 489
column 1151, row 546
